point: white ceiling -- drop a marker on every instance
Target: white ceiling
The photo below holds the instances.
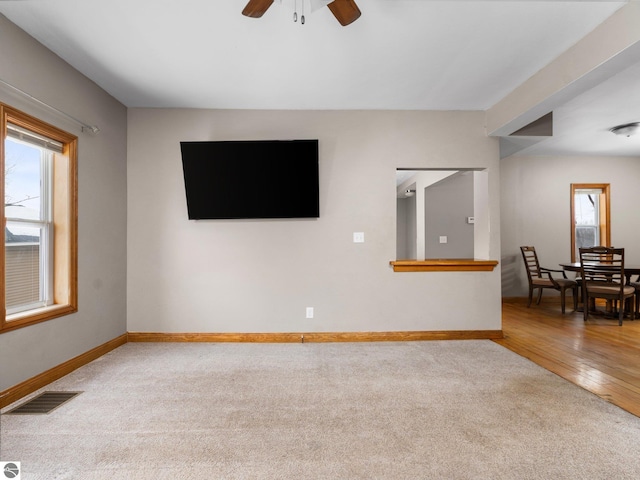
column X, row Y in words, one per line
column 401, row 54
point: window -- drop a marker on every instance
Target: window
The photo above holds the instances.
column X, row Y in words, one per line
column 590, row 216
column 39, row 186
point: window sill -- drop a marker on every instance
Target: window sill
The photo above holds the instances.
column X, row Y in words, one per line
column 30, row 317
column 444, row 265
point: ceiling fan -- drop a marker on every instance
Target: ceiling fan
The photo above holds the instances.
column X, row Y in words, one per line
column 345, row 11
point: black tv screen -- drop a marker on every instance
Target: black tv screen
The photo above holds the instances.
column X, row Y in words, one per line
column 251, row 179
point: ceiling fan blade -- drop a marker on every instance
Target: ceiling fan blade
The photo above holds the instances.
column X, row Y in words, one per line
column 256, row 8
column 345, row 11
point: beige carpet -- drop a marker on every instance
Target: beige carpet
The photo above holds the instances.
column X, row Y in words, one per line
column 413, row 410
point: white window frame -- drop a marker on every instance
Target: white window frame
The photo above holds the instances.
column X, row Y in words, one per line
column 44, row 224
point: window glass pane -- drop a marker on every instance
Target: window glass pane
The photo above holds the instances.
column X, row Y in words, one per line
column 22, row 266
column 587, row 218
column 26, row 256
column 23, row 181
column 586, row 209
column 586, row 236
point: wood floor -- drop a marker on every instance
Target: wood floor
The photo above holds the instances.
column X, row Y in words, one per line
column 598, row 355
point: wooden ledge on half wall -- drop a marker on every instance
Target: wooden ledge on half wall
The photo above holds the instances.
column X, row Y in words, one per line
column 444, row 265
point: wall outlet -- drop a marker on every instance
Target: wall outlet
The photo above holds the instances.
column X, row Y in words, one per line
column 309, row 312
column 443, row 239
column 358, row 237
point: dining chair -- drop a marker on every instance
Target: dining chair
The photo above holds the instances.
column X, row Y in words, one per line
column 602, row 272
column 578, row 279
column 541, row 278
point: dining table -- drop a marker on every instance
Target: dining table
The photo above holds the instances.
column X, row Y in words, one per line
column 629, row 272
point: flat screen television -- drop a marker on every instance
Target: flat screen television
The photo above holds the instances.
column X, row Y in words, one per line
column 251, row 179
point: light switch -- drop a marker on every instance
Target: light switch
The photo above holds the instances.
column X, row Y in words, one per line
column 443, row 239
column 358, row 237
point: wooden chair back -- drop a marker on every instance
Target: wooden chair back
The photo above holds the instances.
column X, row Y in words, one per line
column 602, row 270
column 602, row 264
column 531, row 264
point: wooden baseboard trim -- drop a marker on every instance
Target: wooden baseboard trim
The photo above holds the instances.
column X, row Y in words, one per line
column 317, row 337
column 12, row 394
column 545, row 299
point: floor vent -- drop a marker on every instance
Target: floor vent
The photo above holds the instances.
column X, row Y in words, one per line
column 46, row 402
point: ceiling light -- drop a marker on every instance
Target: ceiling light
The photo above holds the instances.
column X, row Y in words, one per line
column 626, row 130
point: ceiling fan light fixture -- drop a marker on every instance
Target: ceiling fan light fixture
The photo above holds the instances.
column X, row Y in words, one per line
column 626, row 130
column 295, row 5
column 345, row 11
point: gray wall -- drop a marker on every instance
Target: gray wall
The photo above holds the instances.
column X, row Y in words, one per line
column 26, row 64
column 535, row 209
column 447, row 204
column 406, row 228
column 258, row 276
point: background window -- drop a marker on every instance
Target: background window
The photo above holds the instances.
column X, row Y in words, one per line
column 39, row 186
column 589, row 217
